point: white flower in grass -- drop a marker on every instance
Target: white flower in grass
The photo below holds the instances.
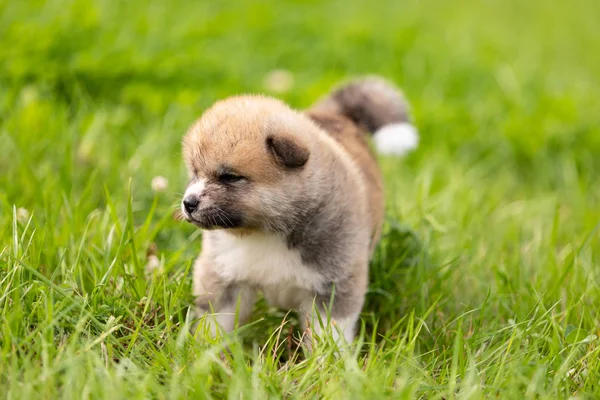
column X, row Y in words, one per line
column 152, row 264
column 23, row 215
column 29, row 94
column 279, row 81
column 159, row 183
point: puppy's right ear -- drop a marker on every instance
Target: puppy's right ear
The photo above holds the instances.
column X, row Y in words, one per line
column 287, row 151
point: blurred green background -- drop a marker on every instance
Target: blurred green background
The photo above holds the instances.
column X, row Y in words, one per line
column 502, row 196
column 514, row 82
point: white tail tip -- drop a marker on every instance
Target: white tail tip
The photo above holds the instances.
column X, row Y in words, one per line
column 396, row 139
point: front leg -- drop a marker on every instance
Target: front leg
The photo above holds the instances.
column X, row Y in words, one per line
column 320, row 322
column 335, row 312
column 220, row 303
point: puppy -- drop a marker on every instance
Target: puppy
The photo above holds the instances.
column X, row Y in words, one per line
column 291, row 203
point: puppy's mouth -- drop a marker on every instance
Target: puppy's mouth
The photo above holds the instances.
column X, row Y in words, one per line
column 215, row 218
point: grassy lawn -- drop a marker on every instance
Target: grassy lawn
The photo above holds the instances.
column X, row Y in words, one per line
column 486, row 284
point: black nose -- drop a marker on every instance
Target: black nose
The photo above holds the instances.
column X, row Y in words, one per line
column 190, row 203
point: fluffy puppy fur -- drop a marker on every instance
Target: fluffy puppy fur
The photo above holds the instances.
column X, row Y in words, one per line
column 291, row 203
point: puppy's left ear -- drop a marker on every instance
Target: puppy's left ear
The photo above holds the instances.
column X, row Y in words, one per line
column 287, row 151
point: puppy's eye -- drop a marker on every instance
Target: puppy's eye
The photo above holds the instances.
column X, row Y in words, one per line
column 230, row 178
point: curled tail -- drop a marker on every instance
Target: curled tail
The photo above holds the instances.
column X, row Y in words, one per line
column 380, row 108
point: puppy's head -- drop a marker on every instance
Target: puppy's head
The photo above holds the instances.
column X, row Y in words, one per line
column 248, row 159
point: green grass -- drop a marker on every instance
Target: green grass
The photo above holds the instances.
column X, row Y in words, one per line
column 498, row 210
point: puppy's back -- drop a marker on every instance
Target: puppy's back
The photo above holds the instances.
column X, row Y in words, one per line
column 357, row 110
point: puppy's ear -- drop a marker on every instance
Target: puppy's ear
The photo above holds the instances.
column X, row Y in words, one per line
column 287, row 151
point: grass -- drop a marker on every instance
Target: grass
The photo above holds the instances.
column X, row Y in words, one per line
column 486, row 284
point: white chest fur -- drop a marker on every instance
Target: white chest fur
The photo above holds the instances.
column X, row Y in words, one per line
column 267, row 262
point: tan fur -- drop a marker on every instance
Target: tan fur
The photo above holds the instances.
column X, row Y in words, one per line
column 292, row 204
column 354, row 140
